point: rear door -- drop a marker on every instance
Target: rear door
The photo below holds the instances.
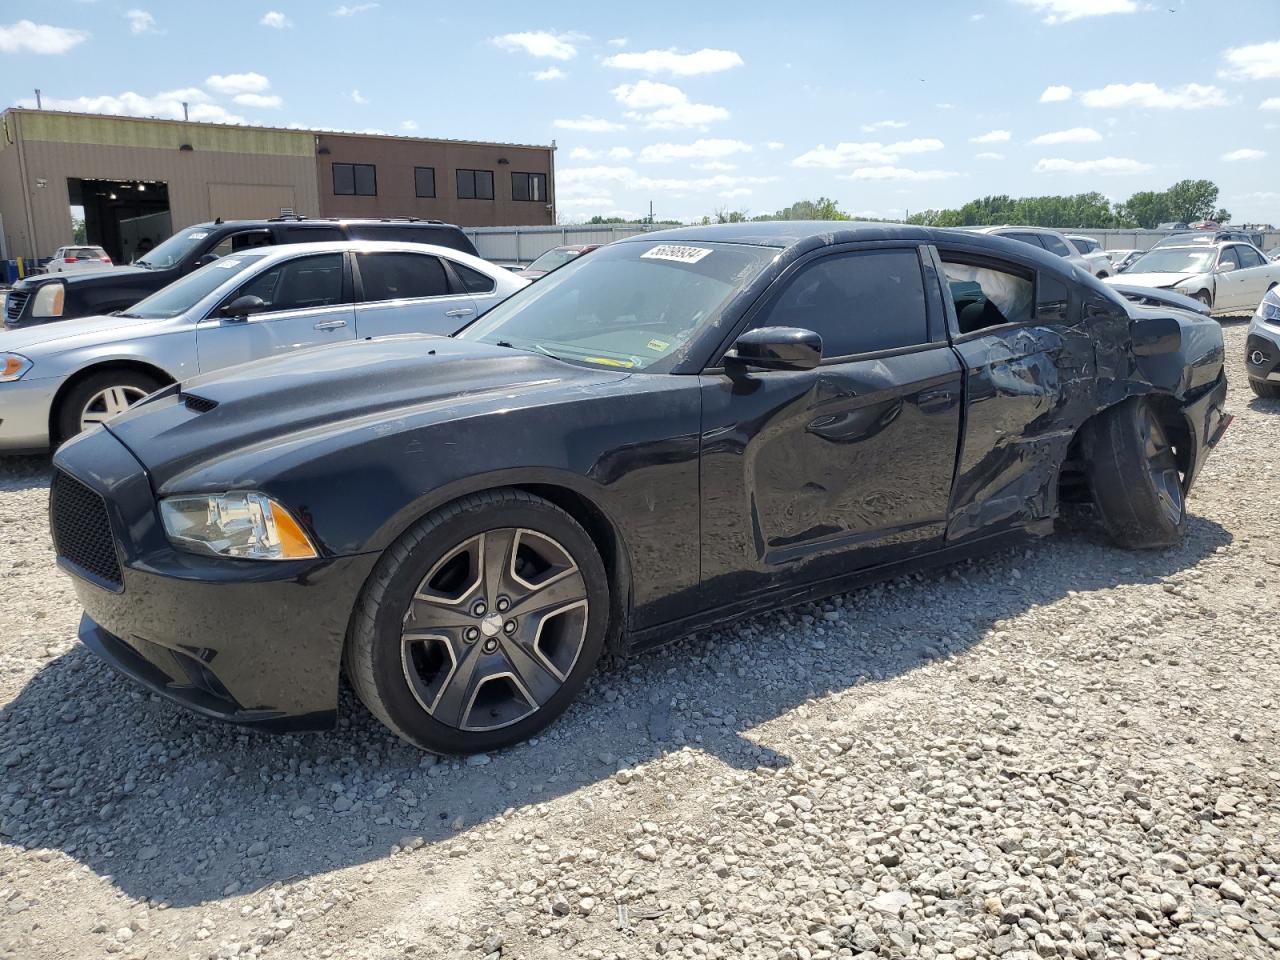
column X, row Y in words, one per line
column 1231, row 280
column 308, row 302
column 810, row 474
column 1254, row 275
column 404, row 292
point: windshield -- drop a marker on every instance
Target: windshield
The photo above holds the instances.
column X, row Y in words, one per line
column 1175, row 260
column 181, row 295
column 630, row 305
column 172, row 251
column 552, row 259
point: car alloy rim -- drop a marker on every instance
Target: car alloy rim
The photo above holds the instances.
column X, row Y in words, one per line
column 494, row 629
column 105, row 404
column 1162, row 463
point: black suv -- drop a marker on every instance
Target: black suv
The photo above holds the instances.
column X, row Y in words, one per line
column 43, row 299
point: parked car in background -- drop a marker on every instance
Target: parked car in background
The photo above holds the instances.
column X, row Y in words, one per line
column 681, row 428
column 1205, row 237
column 1262, row 347
column 75, row 259
column 58, row 379
column 1273, row 253
column 1228, row 278
column 1173, row 225
column 1120, row 259
column 1041, row 238
column 1091, row 250
column 47, row 298
column 555, row 258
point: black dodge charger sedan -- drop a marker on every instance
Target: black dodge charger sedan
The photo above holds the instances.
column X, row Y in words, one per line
column 682, row 428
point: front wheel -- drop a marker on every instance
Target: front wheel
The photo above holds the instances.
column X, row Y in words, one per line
column 1204, row 298
column 1265, row 389
column 480, row 624
column 1135, row 476
column 99, row 397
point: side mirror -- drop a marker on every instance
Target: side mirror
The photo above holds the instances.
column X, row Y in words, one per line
column 241, row 307
column 204, row 261
column 1226, row 267
column 776, row 348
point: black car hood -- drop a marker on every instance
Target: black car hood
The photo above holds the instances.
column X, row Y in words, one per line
column 314, row 395
column 81, row 280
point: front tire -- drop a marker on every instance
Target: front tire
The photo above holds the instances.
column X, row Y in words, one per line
column 1135, row 477
column 1265, row 389
column 99, row 397
column 480, row 624
column 1203, row 297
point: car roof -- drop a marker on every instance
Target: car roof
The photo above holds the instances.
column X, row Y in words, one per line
column 786, row 233
column 284, row 251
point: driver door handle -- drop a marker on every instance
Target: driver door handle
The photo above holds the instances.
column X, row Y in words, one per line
column 459, row 312
column 330, row 324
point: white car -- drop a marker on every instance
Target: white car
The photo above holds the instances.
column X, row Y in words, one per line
column 1122, row 257
column 1228, row 278
column 57, row 379
column 1042, row 238
column 73, row 259
column 1091, row 250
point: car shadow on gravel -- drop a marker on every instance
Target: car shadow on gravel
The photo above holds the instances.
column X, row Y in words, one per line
column 24, row 473
column 176, row 809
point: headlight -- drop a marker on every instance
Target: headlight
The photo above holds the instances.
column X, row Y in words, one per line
column 13, row 366
column 1269, row 308
column 49, row 300
column 250, row 526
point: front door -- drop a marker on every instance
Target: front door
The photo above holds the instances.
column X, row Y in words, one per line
column 408, row 293
column 1231, row 281
column 810, row 474
column 306, row 306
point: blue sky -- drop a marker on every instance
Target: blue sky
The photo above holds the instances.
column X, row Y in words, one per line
column 888, row 108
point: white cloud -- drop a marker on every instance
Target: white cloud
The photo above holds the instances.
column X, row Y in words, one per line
column 551, row 73
column 679, row 64
column 27, row 37
column 1271, row 103
column 540, row 43
column 896, row 173
column 620, row 153
column 355, row 96
column 598, row 181
column 167, row 105
column 409, row 126
column 263, row 101
column 774, row 145
column 589, row 124
column 1074, row 135
column 975, row 17
column 1244, row 153
column 1192, row 96
column 988, row 156
column 1055, row 94
column 647, row 94
column 618, row 42
column 716, row 166
column 1105, row 165
column 1258, row 61
column 699, row 149
column 140, row 21
column 233, row 83
column 945, row 106
column 884, row 125
column 1064, row 11
column 681, row 115
column 351, row 11
column 276, row 20
column 994, row 136
column 736, row 192
column 854, row 154
column 583, row 153
column 660, row 106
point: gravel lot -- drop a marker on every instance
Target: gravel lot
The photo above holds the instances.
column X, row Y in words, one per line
column 1063, row 751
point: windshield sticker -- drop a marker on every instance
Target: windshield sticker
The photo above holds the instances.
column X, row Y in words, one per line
column 227, row 264
column 656, row 345
column 198, row 235
column 610, row 362
column 676, row 252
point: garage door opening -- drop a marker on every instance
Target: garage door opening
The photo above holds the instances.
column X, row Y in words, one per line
column 124, row 217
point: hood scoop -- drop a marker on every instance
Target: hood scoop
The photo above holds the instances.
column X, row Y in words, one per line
column 198, row 404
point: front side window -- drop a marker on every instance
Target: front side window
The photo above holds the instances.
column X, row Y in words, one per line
column 857, row 302
column 529, row 186
column 475, row 184
column 989, row 295
column 401, row 276
column 244, row 240
column 424, row 181
column 1056, row 245
column 302, row 234
column 355, row 179
column 301, row 284
column 1228, row 256
column 181, row 295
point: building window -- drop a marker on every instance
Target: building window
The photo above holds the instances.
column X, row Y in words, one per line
column 529, row 186
column 424, row 181
column 355, row 179
column 475, row 184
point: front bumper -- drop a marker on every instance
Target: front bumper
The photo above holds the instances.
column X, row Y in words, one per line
column 1262, row 350
column 24, row 414
column 247, row 641
column 1208, row 420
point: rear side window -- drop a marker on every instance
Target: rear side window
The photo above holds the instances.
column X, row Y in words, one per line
column 1056, row 245
column 400, row 276
column 1249, row 257
column 1084, row 245
column 312, row 234
column 1032, row 238
column 300, row 284
column 857, row 302
column 473, row 281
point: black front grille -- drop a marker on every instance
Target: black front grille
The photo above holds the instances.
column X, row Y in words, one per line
column 81, row 530
column 15, row 304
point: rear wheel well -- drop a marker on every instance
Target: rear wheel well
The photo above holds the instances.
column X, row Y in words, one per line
column 134, row 366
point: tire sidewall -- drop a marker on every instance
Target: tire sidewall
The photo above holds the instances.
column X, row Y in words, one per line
column 397, row 699
column 72, row 405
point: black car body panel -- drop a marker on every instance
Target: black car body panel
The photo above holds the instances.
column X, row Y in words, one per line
column 103, row 291
column 710, row 494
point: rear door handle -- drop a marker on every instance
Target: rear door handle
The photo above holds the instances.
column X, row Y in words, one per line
column 331, row 324
column 460, row 312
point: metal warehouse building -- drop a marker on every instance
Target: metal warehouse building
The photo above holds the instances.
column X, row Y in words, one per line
column 135, row 181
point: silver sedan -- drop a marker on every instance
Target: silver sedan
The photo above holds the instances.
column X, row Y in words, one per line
column 57, row 379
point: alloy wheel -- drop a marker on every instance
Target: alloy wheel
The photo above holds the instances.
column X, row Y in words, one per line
column 494, row 629
column 105, row 404
column 1162, row 464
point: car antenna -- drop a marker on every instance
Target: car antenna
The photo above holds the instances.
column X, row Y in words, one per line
column 217, row 221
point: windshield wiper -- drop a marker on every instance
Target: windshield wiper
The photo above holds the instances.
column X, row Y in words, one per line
column 121, row 313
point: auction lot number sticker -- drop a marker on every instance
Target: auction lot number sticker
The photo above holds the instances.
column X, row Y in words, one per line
column 676, row 252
